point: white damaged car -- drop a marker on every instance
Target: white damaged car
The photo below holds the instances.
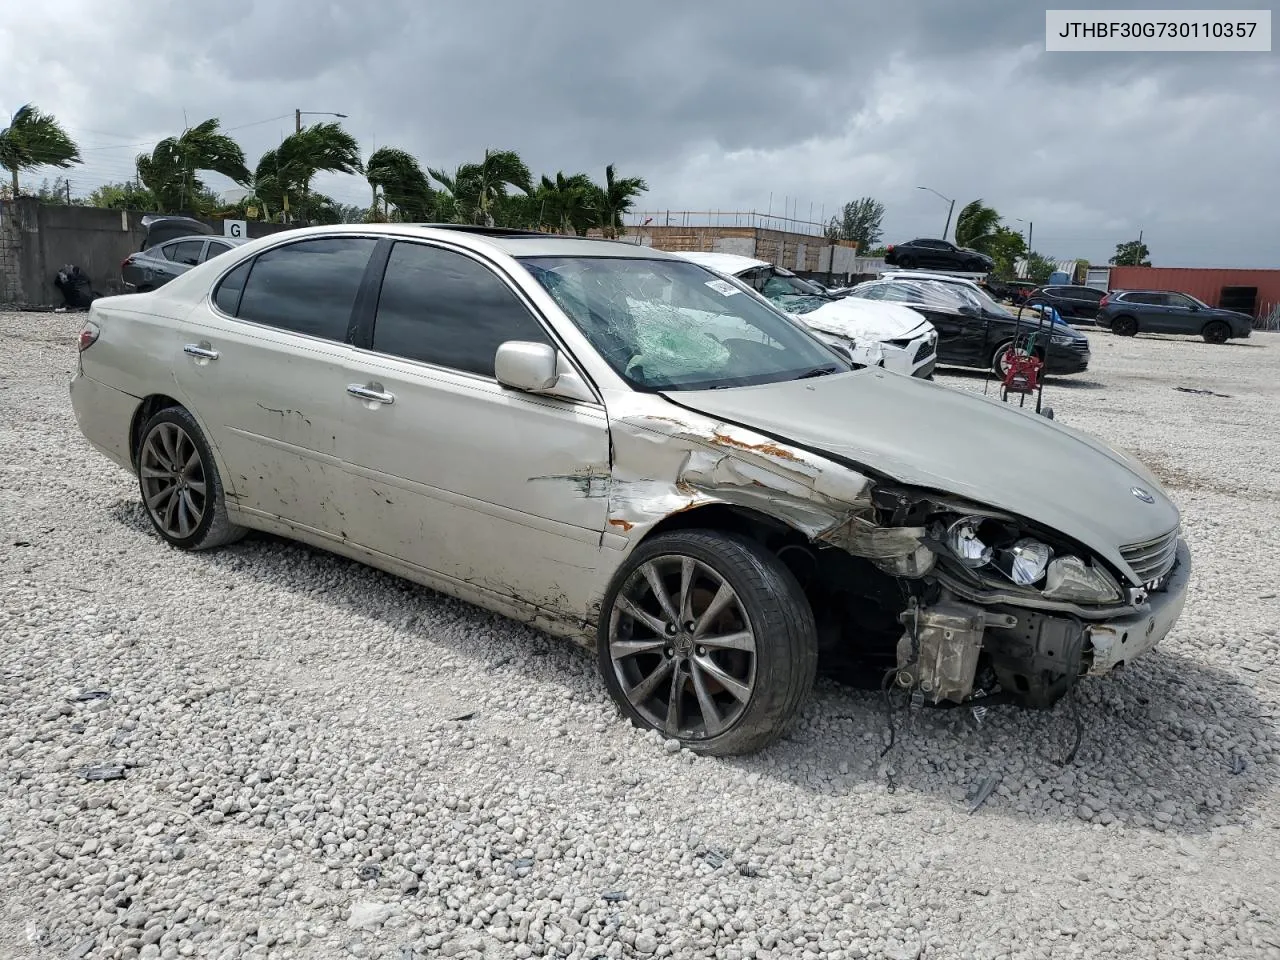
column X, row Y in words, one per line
column 878, row 334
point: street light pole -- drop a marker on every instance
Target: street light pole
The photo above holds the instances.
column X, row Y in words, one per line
column 951, row 207
column 297, row 116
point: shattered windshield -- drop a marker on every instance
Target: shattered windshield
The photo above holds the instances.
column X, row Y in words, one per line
column 673, row 325
column 793, row 294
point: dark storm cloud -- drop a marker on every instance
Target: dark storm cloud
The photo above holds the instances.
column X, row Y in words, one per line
column 719, row 104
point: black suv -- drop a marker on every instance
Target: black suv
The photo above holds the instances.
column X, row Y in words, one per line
column 1072, row 302
column 1128, row 312
column 937, row 255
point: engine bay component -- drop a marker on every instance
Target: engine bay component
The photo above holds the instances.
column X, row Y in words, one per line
column 938, row 653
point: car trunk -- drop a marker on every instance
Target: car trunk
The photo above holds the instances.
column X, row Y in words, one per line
column 161, row 229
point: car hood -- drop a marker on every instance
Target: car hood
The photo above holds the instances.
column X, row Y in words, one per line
column 928, row 435
column 863, row 319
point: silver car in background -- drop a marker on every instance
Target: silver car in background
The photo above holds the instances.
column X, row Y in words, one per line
column 620, row 447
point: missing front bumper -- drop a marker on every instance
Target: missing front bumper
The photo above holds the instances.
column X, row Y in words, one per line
column 1035, row 655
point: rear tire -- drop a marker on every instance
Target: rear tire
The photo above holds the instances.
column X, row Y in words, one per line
column 733, row 683
column 907, row 263
column 1125, row 326
column 1216, row 332
column 178, row 479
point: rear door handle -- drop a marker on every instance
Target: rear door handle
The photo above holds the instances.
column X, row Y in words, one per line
column 201, row 350
column 371, row 392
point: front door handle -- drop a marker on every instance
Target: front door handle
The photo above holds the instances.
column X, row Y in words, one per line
column 372, row 392
column 202, row 351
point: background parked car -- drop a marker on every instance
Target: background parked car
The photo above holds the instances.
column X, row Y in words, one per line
column 1128, row 312
column 884, row 334
column 974, row 330
column 1073, row 302
column 1017, row 291
column 938, row 254
column 156, row 266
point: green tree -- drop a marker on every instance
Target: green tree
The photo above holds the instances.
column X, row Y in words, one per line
column 58, row 191
column 483, row 185
column 403, row 186
column 976, row 226
column 35, row 139
column 859, row 221
column 123, row 196
column 456, row 197
column 170, row 170
column 1005, row 248
column 1131, row 253
column 1039, row 267
column 281, row 182
column 615, row 200
column 567, row 205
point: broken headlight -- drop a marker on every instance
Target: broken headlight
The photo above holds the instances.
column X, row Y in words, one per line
column 1023, row 562
column 1070, row 578
column 963, row 541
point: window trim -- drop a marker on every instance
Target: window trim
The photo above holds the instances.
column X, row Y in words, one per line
column 212, row 304
column 364, row 334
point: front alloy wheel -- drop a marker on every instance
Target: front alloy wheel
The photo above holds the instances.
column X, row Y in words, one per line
column 708, row 639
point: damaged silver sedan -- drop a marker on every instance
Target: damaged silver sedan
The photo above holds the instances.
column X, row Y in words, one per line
column 622, row 448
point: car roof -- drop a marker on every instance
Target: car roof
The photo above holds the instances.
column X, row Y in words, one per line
column 925, row 275
column 730, row 263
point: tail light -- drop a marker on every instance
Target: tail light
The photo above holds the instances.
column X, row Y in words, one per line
column 126, row 261
column 1106, row 298
column 888, row 248
column 89, row 335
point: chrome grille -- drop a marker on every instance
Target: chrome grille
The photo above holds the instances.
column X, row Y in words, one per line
column 1152, row 559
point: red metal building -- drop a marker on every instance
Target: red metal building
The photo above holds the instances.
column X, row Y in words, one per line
column 1207, row 285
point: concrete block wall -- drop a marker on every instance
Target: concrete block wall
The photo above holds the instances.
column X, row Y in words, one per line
column 37, row 239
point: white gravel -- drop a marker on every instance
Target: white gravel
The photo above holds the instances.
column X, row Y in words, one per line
column 295, row 784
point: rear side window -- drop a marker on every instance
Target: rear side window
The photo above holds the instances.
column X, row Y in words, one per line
column 227, row 296
column 188, row 252
column 307, row 287
column 216, row 248
column 444, row 308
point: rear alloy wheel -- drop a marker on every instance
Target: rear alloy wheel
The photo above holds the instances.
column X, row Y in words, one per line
column 1124, row 326
column 707, row 638
column 1216, row 332
column 181, row 489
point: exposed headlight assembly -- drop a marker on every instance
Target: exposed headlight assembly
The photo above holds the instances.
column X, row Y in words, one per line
column 1024, row 563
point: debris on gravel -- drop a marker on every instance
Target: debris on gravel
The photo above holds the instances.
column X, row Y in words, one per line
column 320, row 760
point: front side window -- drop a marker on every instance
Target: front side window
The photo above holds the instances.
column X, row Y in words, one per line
column 306, row 287
column 445, row 308
column 672, row 325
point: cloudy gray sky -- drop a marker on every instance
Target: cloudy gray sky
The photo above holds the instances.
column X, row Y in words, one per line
column 720, row 105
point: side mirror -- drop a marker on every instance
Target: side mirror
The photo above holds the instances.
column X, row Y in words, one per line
column 526, row 366
column 968, row 311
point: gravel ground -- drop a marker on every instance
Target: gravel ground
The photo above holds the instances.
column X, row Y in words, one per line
column 320, row 760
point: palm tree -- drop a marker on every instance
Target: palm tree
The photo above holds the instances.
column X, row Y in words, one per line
column 403, row 184
column 169, row 171
column 616, row 198
column 976, row 226
column 34, row 139
column 285, row 173
column 568, row 204
column 483, row 185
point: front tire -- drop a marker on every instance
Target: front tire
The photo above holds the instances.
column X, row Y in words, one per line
column 1216, row 332
column 178, row 479
column 707, row 637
